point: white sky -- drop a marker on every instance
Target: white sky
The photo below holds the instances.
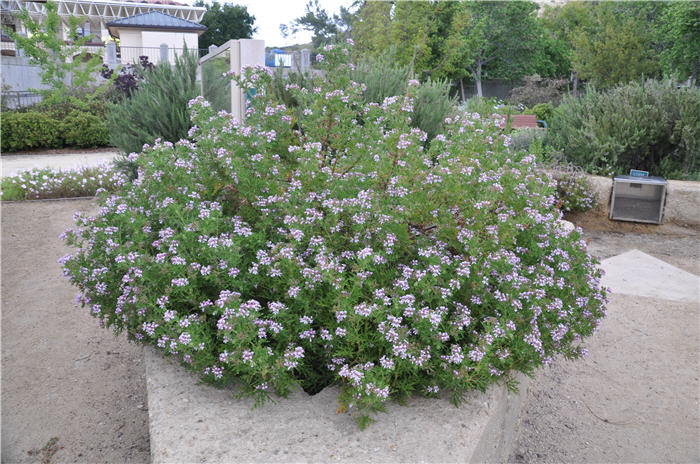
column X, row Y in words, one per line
column 269, row 14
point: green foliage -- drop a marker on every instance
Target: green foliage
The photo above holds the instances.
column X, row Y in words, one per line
column 60, row 62
column 616, row 48
column 543, row 111
column 432, row 105
column 383, row 78
column 652, row 125
column 30, row 130
column 72, row 122
column 680, row 33
column 84, row 130
column 225, row 22
column 158, row 109
column 502, row 39
column 527, row 139
column 336, row 248
column 325, row 28
column 370, row 30
column 41, row 184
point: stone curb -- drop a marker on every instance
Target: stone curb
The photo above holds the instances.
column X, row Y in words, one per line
column 191, row 422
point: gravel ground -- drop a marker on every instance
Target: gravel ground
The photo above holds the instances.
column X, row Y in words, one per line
column 72, row 392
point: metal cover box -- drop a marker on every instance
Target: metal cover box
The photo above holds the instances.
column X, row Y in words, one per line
column 638, row 199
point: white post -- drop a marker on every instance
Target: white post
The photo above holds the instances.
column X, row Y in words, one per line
column 244, row 53
column 164, row 53
column 111, row 54
column 306, row 60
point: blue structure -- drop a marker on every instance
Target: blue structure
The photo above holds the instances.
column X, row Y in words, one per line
column 276, row 57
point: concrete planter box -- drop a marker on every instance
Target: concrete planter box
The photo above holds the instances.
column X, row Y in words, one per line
column 191, row 422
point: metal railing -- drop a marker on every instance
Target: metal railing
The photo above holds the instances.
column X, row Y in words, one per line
column 13, row 99
column 155, row 55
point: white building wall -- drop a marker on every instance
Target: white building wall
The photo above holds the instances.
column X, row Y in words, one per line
column 171, row 39
column 130, row 38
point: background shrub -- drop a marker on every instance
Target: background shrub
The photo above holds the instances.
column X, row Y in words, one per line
column 158, row 108
column 523, row 139
column 30, row 130
column 574, row 191
column 75, row 121
column 84, row 130
column 542, row 111
column 652, row 125
column 383, row 78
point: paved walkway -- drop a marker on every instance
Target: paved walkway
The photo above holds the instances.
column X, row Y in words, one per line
column 11, row 164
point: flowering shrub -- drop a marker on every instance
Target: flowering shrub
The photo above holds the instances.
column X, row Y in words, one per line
column 573, row 189
column 329, row 245
column 38, row 184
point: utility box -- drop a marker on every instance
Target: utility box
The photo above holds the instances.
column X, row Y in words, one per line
column 638, row 199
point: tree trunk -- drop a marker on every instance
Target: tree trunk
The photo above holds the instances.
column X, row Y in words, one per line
column 693, row 77
column 478, row 80
column 574, row 76
column 461, row 88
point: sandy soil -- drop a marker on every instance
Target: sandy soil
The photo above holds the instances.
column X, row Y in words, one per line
column 635, row 398
column 72, row 392
column 62, row 376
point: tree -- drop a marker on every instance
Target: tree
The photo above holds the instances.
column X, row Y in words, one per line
column 680, row 33
column 66, row 67
column 225, row 22
column 325, row 28
column 370, row 30
column 562, row 23
column 617, row 46
column 501, row 39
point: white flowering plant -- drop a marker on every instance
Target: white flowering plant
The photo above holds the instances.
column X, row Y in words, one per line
column 330, row 245
column 47, row 183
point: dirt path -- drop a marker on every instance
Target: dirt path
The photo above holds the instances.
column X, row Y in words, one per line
column 636, row 397
column 62, row 376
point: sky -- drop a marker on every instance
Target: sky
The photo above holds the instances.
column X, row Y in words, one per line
column 269, row 14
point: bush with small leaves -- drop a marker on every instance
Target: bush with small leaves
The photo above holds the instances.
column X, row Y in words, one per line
column 336, row 248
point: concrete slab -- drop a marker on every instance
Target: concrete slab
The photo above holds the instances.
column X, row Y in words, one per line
column 638, row 274
column 190, row 422
column 11, row 164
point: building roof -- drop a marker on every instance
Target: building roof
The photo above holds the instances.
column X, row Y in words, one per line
column 154, row 20
column 157, row 2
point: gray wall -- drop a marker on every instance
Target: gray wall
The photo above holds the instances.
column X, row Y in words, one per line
column 18, row 74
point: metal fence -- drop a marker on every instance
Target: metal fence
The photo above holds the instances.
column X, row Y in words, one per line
column 131, row 55
column 12, row 99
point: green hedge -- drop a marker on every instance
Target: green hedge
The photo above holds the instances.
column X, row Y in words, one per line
column 84, row 130
column 30, row 130
column 26, row 131
column 652, row 125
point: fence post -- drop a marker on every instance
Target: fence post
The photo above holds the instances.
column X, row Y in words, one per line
column 244, row 52
column 305, row 60
column 111, row 54
column 296, row 61
column 164, row 53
